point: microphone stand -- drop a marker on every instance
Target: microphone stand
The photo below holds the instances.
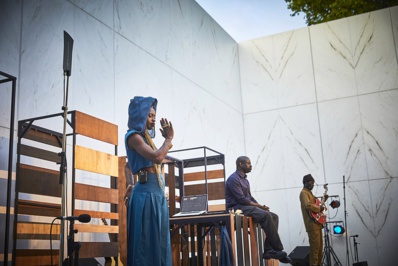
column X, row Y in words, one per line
column 63, row 168
column 68, row 46
column 73, row 247
column 346, row 226
column 355, row 249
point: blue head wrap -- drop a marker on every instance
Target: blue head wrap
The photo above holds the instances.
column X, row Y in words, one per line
column 138, row 113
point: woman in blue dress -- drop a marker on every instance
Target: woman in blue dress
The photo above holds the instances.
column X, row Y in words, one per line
column 148, row 231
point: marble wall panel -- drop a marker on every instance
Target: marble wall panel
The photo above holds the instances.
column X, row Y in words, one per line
column 284, row 148
column 295, row 230
column 101, row 10
column 300, row 144
column 145, row 23
column 4, row 149
column 5, row 103
column 394, row 22
column 385, row 206
column 333, row 60
column 270, row 77
column 342, row 140
column 259, row 89
column 41, row 66
column 379, row 115
column 137, row 73
column 197, row 54
column 293, row 72
column 277, row 201
column 203, row 120
column 263, row 147
column 375, row 58
column 10, row 23
column 190, row 53
column 92, row 90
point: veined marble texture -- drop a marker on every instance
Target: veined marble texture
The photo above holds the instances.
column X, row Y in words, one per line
column 394, row 22
column 372, row 40
column 92, row 90
column 197, row 54
column 354, row 55
column 342, row 140
column 40, row 90
column 379, row 115
column 145, row 23
column 284, row 147
column 102, row 10
column 276, row 71
column 5, row 103
column 349, row 130
column 10, row 23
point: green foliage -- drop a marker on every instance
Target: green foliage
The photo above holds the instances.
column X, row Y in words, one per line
column 318, row 11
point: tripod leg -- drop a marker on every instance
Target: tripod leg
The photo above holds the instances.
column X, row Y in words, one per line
column 336, row 259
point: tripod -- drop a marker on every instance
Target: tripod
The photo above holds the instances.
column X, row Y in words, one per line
column 328, row 252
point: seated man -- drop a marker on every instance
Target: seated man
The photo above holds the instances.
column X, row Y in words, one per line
column 238, row 196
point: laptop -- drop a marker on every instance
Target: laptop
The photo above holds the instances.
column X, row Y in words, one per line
column 192, row 205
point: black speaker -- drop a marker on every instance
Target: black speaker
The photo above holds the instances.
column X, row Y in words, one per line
column 361, row 263
column 300, row 256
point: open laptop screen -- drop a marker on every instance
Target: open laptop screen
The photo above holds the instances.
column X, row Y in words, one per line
column 194, row 203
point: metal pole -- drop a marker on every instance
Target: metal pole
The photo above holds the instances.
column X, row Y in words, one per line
column 346, row 226
column 10, row 156
column 63, row 176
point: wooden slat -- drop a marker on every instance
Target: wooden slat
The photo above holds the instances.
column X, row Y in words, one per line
column 98, row 249
column 216, row 207
column 44, row 136
column 37, row 228
column 93, row 228
column 253, row 241
column 172, row 188
column 95, row 161
column 122, row 209
column 98, row 214
column 215, row 190
column 36, row 256
column 94, row 193
column 232, row 236
column 245, row 232
column 95, row 128
column 38, row 237
column 198, row 176
column 40, row 181
column 28, row 207
column 39, row 153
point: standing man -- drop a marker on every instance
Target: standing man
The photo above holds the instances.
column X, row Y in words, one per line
column 238, row 196
column 314, row 229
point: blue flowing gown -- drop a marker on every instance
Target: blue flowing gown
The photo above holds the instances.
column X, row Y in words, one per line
column 148, row 231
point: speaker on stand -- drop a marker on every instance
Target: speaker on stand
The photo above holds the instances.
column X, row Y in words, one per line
column 300, row 256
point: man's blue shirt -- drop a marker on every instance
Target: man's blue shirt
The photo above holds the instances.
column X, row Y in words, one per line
column 237, row 191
